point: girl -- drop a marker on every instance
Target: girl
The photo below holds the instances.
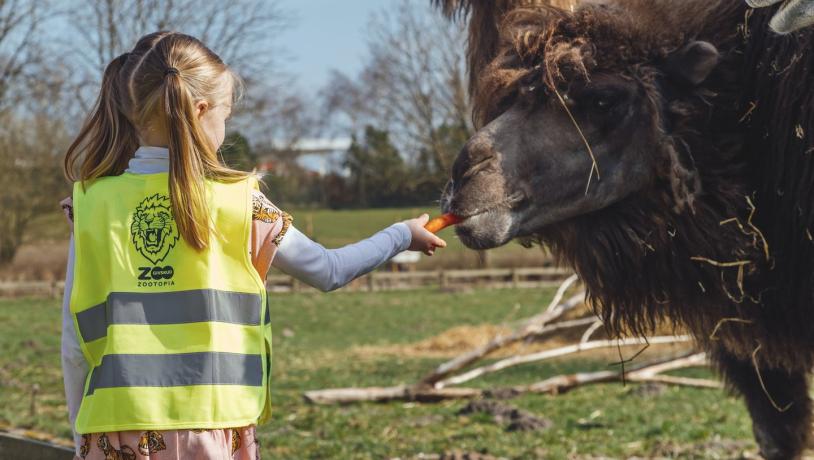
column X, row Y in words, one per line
column 166, row 331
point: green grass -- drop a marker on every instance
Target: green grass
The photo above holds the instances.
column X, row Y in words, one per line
column 624, row 421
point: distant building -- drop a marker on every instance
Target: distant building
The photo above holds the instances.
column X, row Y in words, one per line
column 318, row 155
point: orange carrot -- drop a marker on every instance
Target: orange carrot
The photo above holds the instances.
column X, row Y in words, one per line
column 442, row 222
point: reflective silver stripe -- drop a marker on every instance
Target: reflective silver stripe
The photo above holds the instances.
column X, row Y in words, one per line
column 169, row 308
column 209, row 368
column 92, row 323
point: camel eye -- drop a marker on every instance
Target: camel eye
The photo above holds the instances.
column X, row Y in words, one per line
column 603, row 103
column 528, row 90
column 603, row 99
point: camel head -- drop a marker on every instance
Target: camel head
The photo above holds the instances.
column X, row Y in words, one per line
column 578, row 111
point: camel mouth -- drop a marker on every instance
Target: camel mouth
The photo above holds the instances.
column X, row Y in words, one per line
column 492, row 226
column 488, row 224
column 489, row 229
column 513, row 202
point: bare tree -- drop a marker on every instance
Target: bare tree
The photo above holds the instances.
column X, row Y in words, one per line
column 414, row 83
column 32, row 139
column 280, row 118
column 241, row 33
column 20, row 24
column 238, row 33
column 30, row 130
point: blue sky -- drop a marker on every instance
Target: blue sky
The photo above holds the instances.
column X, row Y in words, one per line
column 325, row 35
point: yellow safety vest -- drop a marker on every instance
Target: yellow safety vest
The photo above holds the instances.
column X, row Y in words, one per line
column 174, row 338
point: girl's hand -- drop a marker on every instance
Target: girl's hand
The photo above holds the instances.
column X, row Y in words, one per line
column 423, row 240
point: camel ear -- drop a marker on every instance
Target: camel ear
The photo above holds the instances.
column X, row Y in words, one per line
column 694, row 62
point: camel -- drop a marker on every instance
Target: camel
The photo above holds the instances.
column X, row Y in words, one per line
column 663, row 149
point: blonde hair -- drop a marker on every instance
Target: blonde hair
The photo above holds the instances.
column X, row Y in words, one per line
column 157, row 85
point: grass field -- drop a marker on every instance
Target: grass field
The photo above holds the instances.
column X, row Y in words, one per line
column 322, row 347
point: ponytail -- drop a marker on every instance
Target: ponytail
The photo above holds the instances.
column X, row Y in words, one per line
column 187, row 169
column 107, row 139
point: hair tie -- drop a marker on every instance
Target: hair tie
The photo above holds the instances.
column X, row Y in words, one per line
column 171, row 71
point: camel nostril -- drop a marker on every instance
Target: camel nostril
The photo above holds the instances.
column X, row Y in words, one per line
column 478, row 167
column 478, row 152
column 479, row 149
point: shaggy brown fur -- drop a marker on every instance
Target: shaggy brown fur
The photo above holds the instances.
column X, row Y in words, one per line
column 643, row 262
column 484, row 34
column 656, row 245
column 723, row 242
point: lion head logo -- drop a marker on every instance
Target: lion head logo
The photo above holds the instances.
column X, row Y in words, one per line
column 153, row 229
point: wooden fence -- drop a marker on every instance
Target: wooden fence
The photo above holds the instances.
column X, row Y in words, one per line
column 442, row 279
column 377, row 281
column 31, row 288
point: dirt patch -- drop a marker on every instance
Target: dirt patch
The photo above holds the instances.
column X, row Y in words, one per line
column 461, row 339
column 455, row 455
column 458, row 340
column 448, row 343
column 511, row 417
column 647, row 390
column 713, row 449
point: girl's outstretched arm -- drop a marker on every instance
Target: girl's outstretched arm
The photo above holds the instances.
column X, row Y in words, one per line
column 329, row 269
column 277, row 243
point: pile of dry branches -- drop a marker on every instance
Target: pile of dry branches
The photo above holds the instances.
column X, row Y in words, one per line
column 442, row 382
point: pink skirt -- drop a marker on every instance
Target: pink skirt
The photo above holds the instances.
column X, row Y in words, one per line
column 225, row 444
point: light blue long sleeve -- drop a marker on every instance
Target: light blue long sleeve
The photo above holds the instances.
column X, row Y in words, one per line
column 74, row 366
column 329, row 269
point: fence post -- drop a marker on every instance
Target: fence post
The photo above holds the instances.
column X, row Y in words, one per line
column 371, row 283
column 32, row 409
column 442, row 279
column 58, row 288
column 515, row 278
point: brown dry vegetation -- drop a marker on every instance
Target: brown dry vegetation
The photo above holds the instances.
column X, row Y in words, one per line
column 43, row 261
column 460, row 339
